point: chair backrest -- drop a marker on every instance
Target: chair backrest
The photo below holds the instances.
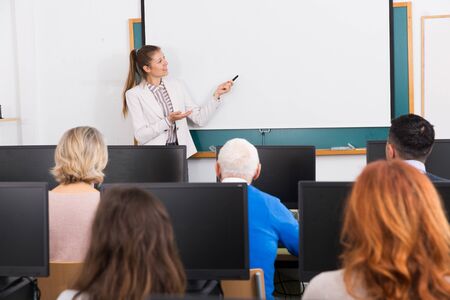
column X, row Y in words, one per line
column 252, row 288
column 62, row 276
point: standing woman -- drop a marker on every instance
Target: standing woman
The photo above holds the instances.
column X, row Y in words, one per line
column 159, row 106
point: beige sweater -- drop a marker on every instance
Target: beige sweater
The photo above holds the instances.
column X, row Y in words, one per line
column 70, row 220
column 330, row 285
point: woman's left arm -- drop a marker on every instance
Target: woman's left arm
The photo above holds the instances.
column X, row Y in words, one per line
column 201, row 114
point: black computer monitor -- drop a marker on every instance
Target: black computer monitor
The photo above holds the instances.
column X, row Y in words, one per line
column 146, row 164
column 437, row 163
column 443, row 189
column 125, row 164
column 24, row 249
column 282, row 168
column 27, row 163
column 375, row 150
column 320, row 214
column 210, row 225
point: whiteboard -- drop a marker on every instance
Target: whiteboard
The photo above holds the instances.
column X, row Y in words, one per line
column 300, row 63
column 436, row 74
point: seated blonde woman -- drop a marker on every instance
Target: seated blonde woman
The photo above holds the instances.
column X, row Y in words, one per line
column 80, row 158
column 395, row 237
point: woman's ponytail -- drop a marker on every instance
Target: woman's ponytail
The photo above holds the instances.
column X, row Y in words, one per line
column 131, row 80
column 138, row 59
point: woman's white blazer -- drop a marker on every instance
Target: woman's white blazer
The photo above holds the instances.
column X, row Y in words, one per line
column 149, row 124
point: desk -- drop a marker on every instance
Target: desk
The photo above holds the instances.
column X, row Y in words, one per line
column 284, row 255
column 285, row 260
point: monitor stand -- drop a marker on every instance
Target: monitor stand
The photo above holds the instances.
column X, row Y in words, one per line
column 6, row 282
column 203, row 287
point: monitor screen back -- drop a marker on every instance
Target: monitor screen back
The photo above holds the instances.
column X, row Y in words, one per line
column 24, row 229
column 27, row 163
column 146, row 164
column 320, row 213
column 210, row 225
column 125, row 164
column 282, row 167
column 437, row 163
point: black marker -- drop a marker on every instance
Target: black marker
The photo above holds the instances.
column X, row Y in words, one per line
column 235, row 77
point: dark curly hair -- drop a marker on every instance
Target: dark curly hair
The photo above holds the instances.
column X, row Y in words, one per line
column 412, row 136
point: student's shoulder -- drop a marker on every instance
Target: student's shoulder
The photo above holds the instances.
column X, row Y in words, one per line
column 69, row 294
column 331, row 277
column 268, row 198
column 327, row 285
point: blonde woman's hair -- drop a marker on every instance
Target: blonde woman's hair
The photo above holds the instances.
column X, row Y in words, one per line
column 81, row 156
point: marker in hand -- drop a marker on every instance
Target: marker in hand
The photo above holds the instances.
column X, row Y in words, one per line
column 224, row 88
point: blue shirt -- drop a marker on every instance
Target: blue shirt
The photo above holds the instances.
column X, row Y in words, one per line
column 269, row 222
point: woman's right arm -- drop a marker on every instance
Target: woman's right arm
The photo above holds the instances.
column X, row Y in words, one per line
column 145, row 130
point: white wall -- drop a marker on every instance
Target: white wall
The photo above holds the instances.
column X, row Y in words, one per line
column 8, row 74
column 422, row 8
column 437, row 74
column 72, row 64
column 439, row 119
column 83, row 52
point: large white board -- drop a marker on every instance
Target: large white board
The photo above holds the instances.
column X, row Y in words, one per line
column 436, row 74
column 300, row 63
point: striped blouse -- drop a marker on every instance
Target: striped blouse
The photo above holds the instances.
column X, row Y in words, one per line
column 161, row 95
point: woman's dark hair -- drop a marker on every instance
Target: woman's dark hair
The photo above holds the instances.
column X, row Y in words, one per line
column 412, row 136
column 138, row 59
column 132, row 251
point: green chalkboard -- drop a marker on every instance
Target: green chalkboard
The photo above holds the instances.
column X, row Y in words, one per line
column 401, row 68
column 137, row 33
column 324, row 138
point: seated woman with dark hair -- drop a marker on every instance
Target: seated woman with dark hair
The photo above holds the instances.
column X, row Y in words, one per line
column 132, row 252
column 395, row 237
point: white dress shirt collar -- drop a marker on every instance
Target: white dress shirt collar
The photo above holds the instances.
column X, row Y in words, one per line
column 234, row 179
column 153, row 87
column 417, row 164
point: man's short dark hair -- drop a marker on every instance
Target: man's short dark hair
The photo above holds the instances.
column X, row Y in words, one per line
column 412, row 136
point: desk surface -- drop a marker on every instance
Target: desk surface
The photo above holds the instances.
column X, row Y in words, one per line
column 284, row 255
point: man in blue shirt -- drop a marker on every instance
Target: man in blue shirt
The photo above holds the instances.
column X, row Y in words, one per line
column 269, row 220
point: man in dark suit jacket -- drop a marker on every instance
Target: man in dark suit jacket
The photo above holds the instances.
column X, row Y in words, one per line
column 411, row 139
